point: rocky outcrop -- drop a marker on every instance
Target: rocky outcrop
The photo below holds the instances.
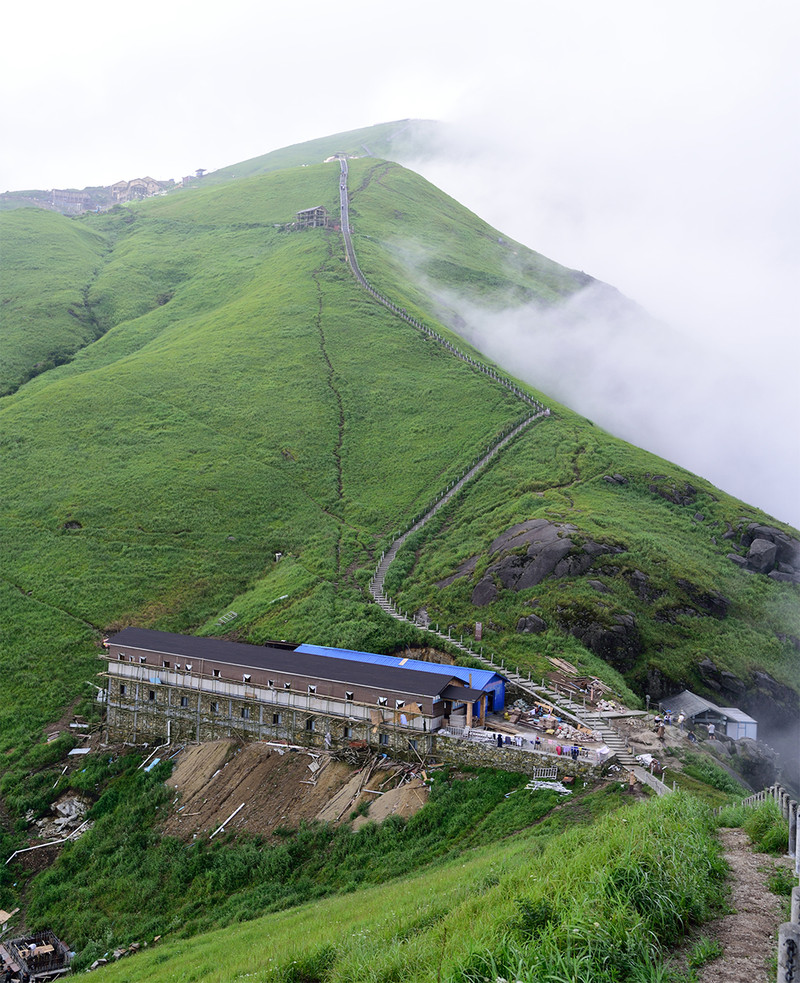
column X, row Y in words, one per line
column 485, row 592
column 770, row 551
column 659, row 686
column 679, row 493
column 709, row 601
column 758, row 764
column 720, row 680
column 550, row 550
column 614, row 638
column 640, row 584
column 531, row 624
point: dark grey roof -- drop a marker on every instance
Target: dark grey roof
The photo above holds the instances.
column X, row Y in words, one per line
column 689, row 704
column 267, row 657
column 462, row 694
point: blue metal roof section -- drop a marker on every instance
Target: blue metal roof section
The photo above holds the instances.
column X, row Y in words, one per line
column 485, row 679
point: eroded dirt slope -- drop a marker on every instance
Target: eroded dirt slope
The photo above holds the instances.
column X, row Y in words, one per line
column 279, row 787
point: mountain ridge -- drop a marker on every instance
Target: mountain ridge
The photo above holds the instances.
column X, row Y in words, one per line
column 230, row 341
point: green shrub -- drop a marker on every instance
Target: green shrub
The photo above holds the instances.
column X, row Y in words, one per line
column 767, row 829
column 782, row 882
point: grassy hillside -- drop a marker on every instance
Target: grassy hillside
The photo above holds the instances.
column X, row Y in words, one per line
column 395, row 141
column 246, row 398
column 48, row 263
column 235, row 395
column 604, row 901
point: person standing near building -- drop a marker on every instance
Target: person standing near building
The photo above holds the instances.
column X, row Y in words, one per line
column 712, row 732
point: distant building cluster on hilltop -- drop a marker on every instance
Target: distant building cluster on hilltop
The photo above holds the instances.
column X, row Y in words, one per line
column 138, row 188
column 71, row 201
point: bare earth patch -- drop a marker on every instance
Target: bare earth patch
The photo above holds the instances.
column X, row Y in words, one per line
column 749, row 935
column 279, row 788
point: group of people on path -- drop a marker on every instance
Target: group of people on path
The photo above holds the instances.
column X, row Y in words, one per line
column 661, row 723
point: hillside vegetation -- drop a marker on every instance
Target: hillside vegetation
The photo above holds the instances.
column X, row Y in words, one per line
column 204, row 413
column 246, row 398
column 600, row 902
column 47, row 266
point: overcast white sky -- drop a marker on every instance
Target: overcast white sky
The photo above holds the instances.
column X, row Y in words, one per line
column 655, row 146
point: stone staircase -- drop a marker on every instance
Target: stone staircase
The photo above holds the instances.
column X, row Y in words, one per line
column 568, row 709
column 564, row 706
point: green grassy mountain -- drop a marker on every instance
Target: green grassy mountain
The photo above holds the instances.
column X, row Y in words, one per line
column 245, row 397
column 194, row 387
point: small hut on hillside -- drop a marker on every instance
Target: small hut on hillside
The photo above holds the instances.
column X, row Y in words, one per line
column 313, row 218
column 730, row 721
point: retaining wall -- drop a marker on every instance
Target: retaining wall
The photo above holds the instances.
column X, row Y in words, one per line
column 508, row 758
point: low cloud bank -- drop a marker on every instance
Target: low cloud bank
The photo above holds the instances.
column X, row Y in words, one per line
column 642, row 380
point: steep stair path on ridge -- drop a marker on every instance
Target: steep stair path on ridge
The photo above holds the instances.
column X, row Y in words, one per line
column 344, row 208
column 566, row 708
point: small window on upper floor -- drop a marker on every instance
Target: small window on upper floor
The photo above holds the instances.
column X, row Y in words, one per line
column 246, row 678
column 165, row 664
column 123, row 689
column 312, row 690
column 121, row 656
column 399, row 704
column 151, row 696
column 348, row 694
column 184, row 701
column 188, row 667
column 215, row 673
column 214, row 706
column 287, row 685
column 142, row 660
column 382, row 701
column 383, row 739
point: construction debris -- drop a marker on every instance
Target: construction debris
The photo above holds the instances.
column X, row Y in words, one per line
column 35, row 957
column 551, row 786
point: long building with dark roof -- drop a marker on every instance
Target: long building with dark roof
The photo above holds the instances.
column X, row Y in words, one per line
column 164, row 686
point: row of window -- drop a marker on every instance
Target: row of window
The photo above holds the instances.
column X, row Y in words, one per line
column 349, row 695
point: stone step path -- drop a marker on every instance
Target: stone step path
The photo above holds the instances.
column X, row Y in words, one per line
column 564, row 706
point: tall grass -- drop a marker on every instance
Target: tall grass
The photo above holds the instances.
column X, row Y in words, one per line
column 764, row 824
column 122, row 881
column 598, row 903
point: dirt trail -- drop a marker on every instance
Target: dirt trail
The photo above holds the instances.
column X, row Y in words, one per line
column 277, row 788
column 748, row 935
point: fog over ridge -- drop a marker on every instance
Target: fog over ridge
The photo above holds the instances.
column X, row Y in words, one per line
column 642, row 380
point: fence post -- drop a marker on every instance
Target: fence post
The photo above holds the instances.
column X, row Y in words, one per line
column 788, row 951
column 793, row 829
